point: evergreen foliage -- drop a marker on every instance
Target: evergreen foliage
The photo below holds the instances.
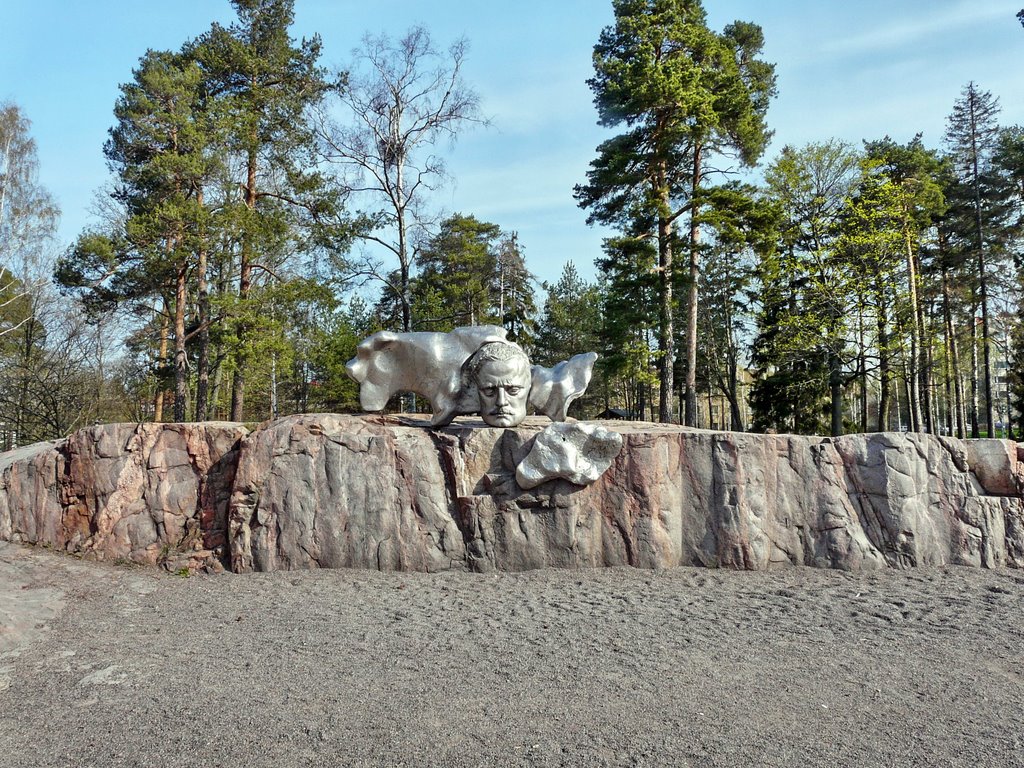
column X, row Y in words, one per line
column 684, row 94
column 878, row 288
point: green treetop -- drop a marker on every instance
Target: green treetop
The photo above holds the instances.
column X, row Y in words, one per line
column 684, row 93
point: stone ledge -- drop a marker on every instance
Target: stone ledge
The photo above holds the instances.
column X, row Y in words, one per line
column 385, row 492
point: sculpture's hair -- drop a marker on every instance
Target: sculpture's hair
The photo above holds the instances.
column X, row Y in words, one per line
column 491, row 352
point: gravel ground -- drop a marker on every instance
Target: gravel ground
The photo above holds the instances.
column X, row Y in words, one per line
column 108, row 666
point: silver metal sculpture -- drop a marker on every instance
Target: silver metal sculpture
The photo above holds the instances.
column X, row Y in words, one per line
column 477, row 370
column 500, row 373
column 554, row 389
column 469, row 370
column 575, row 451
column 429, row 364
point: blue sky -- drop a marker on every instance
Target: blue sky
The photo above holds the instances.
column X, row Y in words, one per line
column 852, row 70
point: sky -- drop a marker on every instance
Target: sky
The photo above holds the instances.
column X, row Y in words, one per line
column 852, row 70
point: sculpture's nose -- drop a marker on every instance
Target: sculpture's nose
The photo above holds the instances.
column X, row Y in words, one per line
column 501, row 396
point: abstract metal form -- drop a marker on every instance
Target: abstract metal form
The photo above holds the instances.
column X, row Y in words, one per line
column 449, row 369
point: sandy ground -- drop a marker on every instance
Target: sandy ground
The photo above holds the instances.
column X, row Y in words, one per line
column 108, row 666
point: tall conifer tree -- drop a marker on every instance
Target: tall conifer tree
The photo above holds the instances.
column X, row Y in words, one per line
column 684, row 93
column 971, row 133
column 263, row 84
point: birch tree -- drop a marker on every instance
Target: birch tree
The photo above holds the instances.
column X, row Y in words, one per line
column 400, row 100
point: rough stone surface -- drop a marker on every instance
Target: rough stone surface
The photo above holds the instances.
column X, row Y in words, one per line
column 388, row 493
column 30, row 501
column 573, row 451
column 145, row 493
column 342, row 491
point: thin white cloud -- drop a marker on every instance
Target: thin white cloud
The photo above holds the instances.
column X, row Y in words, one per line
column 540, row 100
column 965, row 14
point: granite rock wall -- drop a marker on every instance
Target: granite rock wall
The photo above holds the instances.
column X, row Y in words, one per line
column 332, row 491
column 145, row 493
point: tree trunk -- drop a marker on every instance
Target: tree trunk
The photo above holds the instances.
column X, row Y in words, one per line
column 947, row 386
column 242, row 355
column 666, row 331
column 161, row 356
column 904, row 379
column 180, row 357
column 733, row 394
column 907, row 378
column 304, row 384
column 273, row 386
column 975, row 427
column 31, row 330
column 953, row 350
column 835, row 384
column 203, row 296
column 928, row 374
column 215, row 387
column 884, row 373
column 862, row 368
column 916, row 331
column 983, row 289
column 986, row 347
column 690, row 415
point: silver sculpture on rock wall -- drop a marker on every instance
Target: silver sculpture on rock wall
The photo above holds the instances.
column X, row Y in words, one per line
column 477, row 370
column 469, row 370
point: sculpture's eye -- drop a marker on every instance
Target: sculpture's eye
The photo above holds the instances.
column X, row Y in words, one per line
column 490, row 391
column 513, row 390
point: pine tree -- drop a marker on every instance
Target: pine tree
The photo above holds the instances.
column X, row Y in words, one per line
column 1015, row 381
column 513, row 286
column 261, row 86
column 684, row 94
column 570, row 318
column 569, row 325
column 915, row 191
column 1008, row 165
column 629, row 321
column 971, row 134
column 457, row 268
column 872, row 245
column 159, row 152
column 741, row 224
column 804, row 292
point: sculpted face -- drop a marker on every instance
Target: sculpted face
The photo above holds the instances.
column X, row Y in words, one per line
column 504, row 388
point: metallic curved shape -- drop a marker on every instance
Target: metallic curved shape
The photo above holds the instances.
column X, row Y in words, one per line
column 573, row 451
column 555, row 388
column 428, row 364
column 433, row 366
